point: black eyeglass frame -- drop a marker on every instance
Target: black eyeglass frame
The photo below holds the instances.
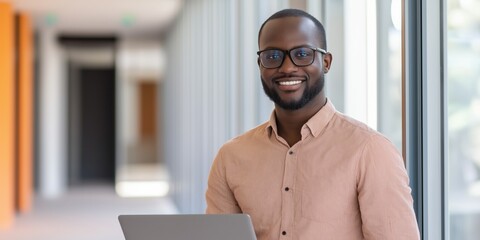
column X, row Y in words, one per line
column 287, row 52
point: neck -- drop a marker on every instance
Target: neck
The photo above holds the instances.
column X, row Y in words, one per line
column 290, row 122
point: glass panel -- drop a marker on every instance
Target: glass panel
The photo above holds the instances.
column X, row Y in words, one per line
column 390, row 70
column 464, row 118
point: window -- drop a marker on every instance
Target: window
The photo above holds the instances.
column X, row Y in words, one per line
column 463, row 39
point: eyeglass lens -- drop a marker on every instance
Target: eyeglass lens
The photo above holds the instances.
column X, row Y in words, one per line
column 274, row 58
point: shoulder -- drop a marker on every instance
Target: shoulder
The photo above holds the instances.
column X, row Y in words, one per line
column 240, row 148
column 350, row 124
column 253, row 141
column 250, row 138
column 355, row 133
column 375, row 151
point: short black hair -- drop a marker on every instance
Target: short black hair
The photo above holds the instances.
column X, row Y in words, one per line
column 298, row 13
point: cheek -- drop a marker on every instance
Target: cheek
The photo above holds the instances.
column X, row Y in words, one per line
column 266, row 74
column 314, row 72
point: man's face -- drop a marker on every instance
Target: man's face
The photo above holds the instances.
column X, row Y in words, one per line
column 288, row 86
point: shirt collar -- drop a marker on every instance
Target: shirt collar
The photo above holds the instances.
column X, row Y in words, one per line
column 320, row 120
column 272, row 124
column 315, row 124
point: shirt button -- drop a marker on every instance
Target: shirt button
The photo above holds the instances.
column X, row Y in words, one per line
column 286, row 189
column 284, row 233
column 291, row 152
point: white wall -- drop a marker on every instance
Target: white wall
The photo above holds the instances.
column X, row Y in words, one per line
column 333, row 21
column 360, row 18
column 52, row 117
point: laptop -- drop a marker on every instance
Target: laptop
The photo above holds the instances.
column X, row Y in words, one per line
column 187, row 227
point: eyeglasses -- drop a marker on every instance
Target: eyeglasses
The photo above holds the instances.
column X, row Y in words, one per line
column 300, row 56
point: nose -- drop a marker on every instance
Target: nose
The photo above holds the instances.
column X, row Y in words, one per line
column 287, row 66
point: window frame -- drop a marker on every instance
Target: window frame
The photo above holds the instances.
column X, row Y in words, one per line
column 424, row 113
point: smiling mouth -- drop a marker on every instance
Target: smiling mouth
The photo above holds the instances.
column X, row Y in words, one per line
column 289, row 83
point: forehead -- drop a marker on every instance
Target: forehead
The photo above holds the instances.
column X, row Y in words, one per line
column 288, row 32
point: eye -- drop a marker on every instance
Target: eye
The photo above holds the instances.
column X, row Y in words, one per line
column 273, row 55
column 302, row 53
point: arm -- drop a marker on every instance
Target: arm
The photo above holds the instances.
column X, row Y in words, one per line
column 384, row 195
column 220, row 198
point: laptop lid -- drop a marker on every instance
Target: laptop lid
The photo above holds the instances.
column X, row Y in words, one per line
column 187, row 227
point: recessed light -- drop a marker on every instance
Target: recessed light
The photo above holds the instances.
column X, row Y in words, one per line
column 128, row 20
column 51, row 19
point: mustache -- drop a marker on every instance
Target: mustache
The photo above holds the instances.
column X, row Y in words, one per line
column 280, row 76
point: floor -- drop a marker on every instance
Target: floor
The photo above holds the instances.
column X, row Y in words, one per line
column 87, row 212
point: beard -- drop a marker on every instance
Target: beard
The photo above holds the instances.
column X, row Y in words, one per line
column 308, row 94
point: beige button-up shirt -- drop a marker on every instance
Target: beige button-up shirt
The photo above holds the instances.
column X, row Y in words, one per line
column 343, row 180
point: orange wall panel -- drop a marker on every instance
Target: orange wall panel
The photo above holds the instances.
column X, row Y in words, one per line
column 25, row 113
column 7, row 123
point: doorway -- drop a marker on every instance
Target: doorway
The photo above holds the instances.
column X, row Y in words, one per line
column 97, row 135
column 91, row 108
column 92, row 105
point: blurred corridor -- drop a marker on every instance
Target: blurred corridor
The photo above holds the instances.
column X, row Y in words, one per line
column 72, row 216
column 79, row 104
column 118, row 106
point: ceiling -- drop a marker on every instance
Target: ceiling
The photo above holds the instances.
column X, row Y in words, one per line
column 130, row 17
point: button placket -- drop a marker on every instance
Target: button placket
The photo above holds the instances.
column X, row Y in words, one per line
column 287, row 192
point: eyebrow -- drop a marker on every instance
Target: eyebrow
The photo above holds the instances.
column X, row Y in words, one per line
column 277, row 48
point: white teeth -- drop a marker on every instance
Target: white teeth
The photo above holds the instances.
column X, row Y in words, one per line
column 289, row 83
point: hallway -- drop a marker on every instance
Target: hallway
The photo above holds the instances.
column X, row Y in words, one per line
column 70, row 216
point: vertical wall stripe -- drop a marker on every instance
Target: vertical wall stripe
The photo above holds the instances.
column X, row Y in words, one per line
column 25, row 113
column 335, row 79
column 52, row 117
column 7, row 123
column 212, row 94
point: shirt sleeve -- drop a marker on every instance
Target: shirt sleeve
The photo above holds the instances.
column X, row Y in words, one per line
column 219, row 196
column 384, row 196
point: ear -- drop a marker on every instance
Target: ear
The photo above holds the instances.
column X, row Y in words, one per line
column 327, row 62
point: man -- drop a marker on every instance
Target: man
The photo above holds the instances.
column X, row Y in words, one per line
column 310, row 172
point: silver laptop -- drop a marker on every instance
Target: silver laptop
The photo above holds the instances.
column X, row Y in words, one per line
column 187, row 227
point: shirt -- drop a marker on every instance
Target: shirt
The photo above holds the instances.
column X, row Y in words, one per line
column 342, row 180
